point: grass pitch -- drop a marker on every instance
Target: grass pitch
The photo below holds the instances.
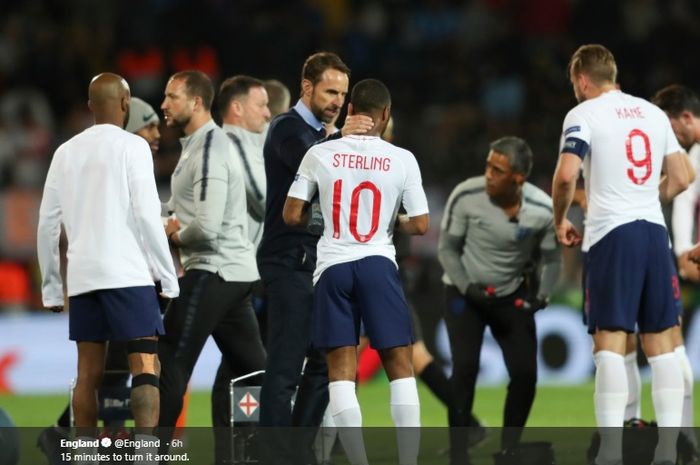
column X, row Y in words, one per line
column 554, row 406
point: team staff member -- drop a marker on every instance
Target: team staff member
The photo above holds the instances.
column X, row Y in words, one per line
column 243, row 106
column 101, row 188
column 211, row 232
column 495, row 228
column 287, row 256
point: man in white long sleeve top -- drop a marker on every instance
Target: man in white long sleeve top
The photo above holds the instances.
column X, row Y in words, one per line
column 682, row 106
column 101, row 188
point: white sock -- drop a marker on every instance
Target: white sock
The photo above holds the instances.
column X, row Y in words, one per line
column 147, row 449
column 610, row 389
column 688, row 418
column 609, row 400
column 325, row 438
column 348, row 418
column 667, row 394
column 633, row 409
column 405, row 411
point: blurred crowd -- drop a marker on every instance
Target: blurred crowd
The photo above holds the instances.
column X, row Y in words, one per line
column 462, row 73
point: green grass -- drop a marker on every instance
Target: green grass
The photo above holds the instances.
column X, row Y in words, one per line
column 554, row 406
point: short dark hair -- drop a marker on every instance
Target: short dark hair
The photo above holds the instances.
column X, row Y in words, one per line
column 370, row 96
column 596, row 61
column 518, row 152
column 197, row 84
column 316, row 64
column 233, row 88
column 675, row 99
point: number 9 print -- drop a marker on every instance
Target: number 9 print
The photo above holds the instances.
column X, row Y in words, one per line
column 637, row 162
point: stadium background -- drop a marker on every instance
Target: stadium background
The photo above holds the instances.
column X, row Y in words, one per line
column 461, row 74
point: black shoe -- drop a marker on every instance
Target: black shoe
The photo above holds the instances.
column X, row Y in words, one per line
column 476, row 435
column 49, row 442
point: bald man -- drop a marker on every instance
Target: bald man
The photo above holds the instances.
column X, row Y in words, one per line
column 143, row 121
column 101, row 188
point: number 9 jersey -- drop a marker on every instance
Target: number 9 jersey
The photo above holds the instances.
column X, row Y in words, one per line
column 361, row 183
column 622, row 141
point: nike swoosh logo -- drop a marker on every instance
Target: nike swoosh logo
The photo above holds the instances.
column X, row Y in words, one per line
column 147, row 117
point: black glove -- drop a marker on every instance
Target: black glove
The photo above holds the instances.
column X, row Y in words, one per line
column 480, row 292
column 531, row 304
column 315, row 225
column 163, row 302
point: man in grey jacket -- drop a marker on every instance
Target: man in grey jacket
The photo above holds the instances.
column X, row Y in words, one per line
column 495, row 231
column 210, row 228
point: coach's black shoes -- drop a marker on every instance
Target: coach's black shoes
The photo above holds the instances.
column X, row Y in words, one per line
column 476, row 435
column 49, row 442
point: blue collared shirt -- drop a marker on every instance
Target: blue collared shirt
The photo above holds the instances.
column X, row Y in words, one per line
column 309, row 117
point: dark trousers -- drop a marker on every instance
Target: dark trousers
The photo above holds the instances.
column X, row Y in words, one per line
column 220, row 395
column 514, row 331
column 289, row 294
column 207, row 305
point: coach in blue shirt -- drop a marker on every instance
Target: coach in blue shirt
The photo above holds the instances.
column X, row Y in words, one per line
column 287, row 256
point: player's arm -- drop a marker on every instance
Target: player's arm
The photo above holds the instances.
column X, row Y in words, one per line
column 295, row 212
column 453, row 233
column 48, row 236
column 146, row 208
column 682, row 225
column 678, row 174
column 413, row 225
column 563, row 189
column 416, row 220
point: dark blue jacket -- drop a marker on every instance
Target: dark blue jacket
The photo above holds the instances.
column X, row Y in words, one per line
column 288, row 139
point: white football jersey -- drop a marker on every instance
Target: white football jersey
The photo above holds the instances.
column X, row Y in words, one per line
column 623, row 141
column 361, row 182
column 684, row 218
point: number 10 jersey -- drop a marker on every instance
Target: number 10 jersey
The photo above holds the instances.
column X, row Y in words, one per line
column 622, row 140
column 361, row 182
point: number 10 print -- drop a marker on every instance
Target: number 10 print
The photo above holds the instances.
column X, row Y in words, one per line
column 354, row 208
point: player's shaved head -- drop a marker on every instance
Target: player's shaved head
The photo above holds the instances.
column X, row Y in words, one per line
column 108, row 99
column 371, row 97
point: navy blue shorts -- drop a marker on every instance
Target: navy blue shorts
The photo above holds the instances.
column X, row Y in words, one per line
column 631, row 278
column 115, row 314
column 367, row 290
